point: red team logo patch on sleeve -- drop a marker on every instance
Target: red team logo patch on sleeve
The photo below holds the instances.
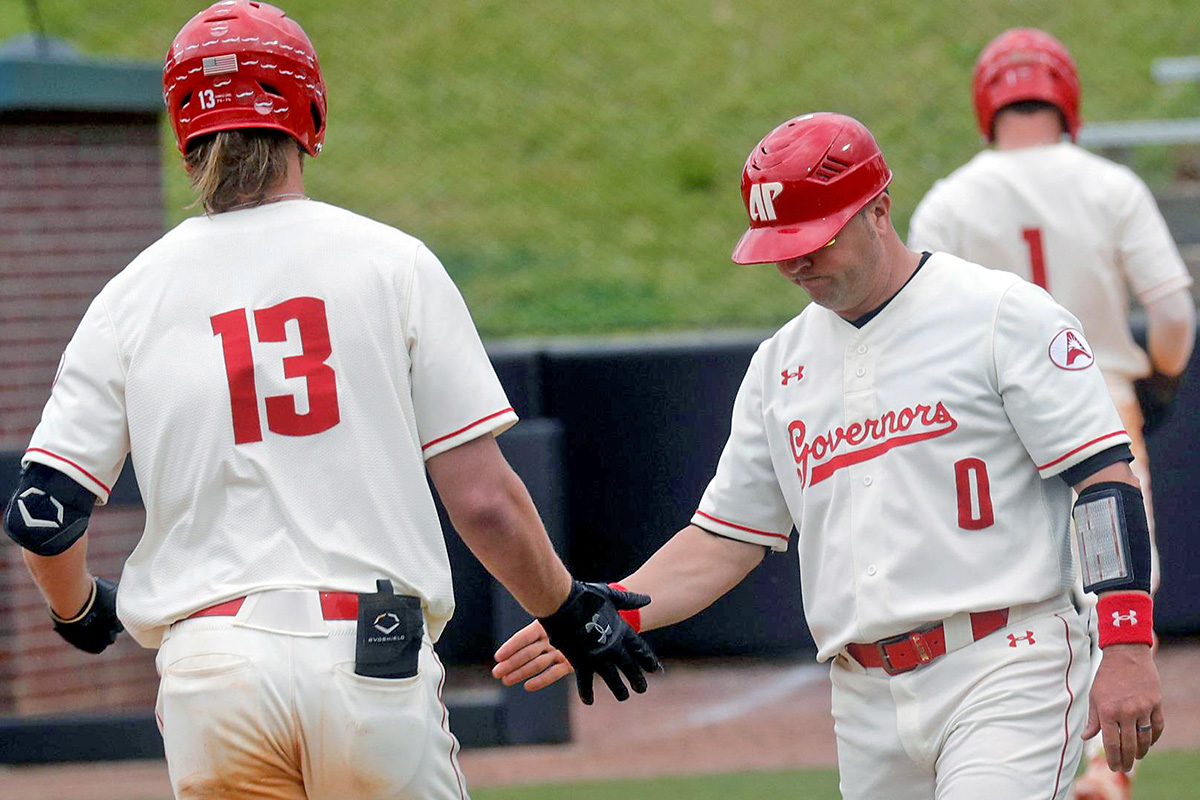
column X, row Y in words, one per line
column 1069, row 350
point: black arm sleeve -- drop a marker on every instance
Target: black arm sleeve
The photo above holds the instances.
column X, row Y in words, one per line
column 1093, row 464
column 48, row 512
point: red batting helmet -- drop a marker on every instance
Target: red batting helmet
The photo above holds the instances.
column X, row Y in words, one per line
column 803, row 182
column 1025, row 64
column 244, row 64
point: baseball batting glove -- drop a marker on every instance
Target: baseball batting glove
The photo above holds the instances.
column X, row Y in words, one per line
column 96, row 626
column 1156, row 395
column 591, row 634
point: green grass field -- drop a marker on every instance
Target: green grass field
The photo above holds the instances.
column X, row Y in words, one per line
column 1170, row 775
column 576, row 164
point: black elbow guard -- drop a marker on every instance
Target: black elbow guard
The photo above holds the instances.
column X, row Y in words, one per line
column 1113, row 537
column 48, row 512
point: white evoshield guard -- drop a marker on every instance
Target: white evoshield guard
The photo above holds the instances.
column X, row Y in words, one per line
column 1103, row 549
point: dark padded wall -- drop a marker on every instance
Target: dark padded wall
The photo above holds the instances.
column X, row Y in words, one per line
column 1174, row 474
column 645, row 426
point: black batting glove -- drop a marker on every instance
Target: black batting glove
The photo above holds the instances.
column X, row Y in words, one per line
column 96, row 626
column 587, row 629
column 1156, row 395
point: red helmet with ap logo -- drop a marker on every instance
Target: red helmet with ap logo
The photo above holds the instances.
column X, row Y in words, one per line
column 244, row 64
column 803, row 182
column 1025, row 64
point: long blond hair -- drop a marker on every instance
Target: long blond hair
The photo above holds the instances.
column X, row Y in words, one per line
column 238, row 167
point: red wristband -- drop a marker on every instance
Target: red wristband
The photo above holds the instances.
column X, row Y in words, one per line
column 632, row 616
column 1125, row 618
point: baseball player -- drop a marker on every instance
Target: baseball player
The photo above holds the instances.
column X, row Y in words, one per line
column 922, row 424
column 1083, row 228
column 284, row 375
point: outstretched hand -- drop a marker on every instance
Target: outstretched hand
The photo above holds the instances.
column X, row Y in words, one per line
column 589, row 632
column 528, row 656
column 1126, row 705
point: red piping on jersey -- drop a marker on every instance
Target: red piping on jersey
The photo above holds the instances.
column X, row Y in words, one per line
column 741, row 527
column 1081, row 447
column 467, row 428
column 99, row 482
column 1067, row 714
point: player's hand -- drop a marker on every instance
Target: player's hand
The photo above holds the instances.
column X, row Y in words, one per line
column 591, row 634
column 1126, row 695
column 96, row 626
column 528, row 656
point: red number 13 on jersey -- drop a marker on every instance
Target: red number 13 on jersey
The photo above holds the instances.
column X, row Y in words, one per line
column 234, row 329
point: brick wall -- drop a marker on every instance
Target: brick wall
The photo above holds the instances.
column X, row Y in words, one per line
column 80, row 196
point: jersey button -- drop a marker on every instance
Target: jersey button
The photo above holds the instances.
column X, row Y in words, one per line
column 862, row 349
column 867, row 481
column 860, row 372
column 871, row 570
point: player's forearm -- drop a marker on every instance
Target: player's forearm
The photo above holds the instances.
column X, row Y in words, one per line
column 689, row 573
column 63, row 579
column 506, row 534
column 492, row 512
column 1171, row 332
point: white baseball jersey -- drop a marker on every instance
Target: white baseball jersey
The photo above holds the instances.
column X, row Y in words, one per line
column 279, row 374
column 917, row 456
column 1076, row 224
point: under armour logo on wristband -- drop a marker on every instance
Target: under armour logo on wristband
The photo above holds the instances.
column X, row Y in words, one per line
column 1028, row 637
column 1118, row 618
column 595, row 627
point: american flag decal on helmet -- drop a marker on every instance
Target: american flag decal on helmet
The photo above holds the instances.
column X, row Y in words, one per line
column 219, row 65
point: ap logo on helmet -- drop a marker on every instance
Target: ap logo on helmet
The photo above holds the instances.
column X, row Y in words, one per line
column 762, row 201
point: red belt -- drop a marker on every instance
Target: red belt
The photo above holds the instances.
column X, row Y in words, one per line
column 334, row 605
column 897, row 654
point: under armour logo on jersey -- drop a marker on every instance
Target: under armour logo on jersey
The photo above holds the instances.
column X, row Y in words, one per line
column 34, row 522
column 387, row 622
column 1069, row 350
column 1131, row 618
column 788, row 376
column 595, row 627
column 762, row 201
column 1028, row 637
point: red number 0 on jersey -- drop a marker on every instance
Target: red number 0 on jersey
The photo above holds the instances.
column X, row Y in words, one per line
column 234, row 329
column 974, row 507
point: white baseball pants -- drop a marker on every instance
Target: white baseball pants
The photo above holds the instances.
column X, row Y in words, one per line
column 998, row 719
column 250, row 713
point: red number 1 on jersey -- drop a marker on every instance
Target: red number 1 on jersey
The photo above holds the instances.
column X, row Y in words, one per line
column 1037, row 256
column 234, row 329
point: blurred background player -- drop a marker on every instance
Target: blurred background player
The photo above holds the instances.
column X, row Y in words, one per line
column 285, row 374
column 1085, row 229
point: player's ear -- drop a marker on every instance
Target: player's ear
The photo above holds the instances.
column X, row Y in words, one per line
column 878, row 212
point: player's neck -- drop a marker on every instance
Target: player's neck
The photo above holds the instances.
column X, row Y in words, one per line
column 897, row 267
column 1014, row 130
column 290, row 188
